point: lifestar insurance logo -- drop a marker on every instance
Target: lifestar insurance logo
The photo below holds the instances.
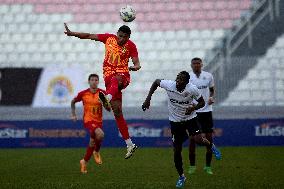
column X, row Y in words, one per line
column 60, row 88
column 11, row 131
column 270, row 129
column 147, row 130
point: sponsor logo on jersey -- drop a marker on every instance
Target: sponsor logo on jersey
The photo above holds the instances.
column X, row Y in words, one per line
column 179, row 102
column 202, row 87
column 270, row 129
column 123, row 49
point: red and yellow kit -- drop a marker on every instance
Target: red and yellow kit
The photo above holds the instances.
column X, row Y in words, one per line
column 116, row 56
column 93, row 109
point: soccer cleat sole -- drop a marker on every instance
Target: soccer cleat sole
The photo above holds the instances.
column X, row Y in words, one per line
column 104, row 101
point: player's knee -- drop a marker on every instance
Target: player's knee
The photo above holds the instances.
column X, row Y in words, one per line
column 100, row 136
column 199, row 139
column 202, row 141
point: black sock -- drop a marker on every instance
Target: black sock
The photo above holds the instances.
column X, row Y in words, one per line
column 178, row 159
column 208, row 158
column 192, row 159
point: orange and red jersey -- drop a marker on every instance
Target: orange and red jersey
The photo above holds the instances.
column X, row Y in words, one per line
column 93, row 109
column 116, row 56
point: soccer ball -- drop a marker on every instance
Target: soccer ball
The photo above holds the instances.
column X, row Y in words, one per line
column 127, row 14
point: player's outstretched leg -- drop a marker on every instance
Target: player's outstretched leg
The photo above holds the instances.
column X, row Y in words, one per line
column 122, row 127
column 192, row 167
column 99, row 136
column 203, row 141
column 114, row 85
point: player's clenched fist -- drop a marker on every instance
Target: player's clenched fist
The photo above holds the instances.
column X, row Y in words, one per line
column 74, row 118
column 146, row 104
column 67, row 32
column 189, row 110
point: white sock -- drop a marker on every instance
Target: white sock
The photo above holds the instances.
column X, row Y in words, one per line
column 109, row 97
column 129, row 142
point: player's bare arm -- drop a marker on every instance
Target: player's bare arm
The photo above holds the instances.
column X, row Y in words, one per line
column 136, row 64
column 211, row 95
column 153, row 88
column 80, row 35
column 73, row 111
column 192, row 108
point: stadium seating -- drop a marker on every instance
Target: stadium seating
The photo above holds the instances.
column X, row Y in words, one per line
column 167, row 34
column 264, row 84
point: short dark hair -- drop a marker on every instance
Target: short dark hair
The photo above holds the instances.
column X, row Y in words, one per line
column 186, row 74
column 196, row 58
column 125, row 29
column 93, row 75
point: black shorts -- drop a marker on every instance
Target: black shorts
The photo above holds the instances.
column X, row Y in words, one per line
column 206, row 121
column 181, row 130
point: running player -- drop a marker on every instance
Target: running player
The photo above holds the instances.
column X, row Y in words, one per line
column 182, row 116
column 205, row 83
column 93, row 118
column 118, row 50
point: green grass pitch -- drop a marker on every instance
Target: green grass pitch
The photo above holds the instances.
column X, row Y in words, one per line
column 240, row 168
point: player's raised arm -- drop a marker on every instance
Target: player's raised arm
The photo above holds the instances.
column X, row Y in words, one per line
column 153, row 88
column 136, row 64
column 80, row 35
column 73, row 110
